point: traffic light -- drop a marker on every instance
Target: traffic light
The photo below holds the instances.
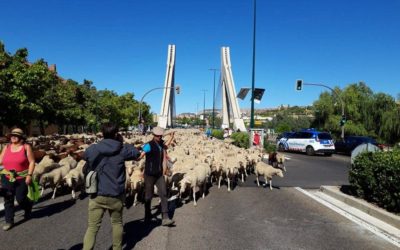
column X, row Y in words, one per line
column 299, row 85
column 178, row 89
column 343, row 121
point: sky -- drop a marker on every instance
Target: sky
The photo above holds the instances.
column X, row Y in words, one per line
column 122, row 45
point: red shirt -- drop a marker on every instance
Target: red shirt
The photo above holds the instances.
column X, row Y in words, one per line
column 256, row 140
column 17, row 161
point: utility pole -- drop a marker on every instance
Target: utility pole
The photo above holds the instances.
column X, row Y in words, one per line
column 213, row 112
column 204, row 107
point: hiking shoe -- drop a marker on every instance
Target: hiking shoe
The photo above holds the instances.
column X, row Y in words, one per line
column 28, row 215
column 167, row 222
column 8, row 226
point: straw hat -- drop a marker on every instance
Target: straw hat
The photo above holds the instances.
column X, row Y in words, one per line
column 17, row 132
column 158, row 131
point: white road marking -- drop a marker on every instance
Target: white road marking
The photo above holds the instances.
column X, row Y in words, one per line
column 384, row 235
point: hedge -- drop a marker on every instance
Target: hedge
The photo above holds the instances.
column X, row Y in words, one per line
column 375, row 177
column 241, row 139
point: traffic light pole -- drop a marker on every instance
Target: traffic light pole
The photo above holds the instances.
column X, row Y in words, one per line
column 338, row 96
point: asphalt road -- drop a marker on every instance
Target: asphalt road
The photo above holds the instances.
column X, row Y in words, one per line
column 314, row 171
column 249, row 217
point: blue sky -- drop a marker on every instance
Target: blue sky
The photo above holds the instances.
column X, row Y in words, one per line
column 122, row 45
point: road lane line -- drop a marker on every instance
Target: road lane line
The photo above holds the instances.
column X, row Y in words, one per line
column 353, row 218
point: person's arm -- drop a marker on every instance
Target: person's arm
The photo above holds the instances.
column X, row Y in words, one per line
column 146, row 149
column 142, row 154
column 2, row 155
column 31, row 160
column 171, row 138
column 165, row 162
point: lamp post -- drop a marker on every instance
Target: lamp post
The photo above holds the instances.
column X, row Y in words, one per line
column 253, row 71
column 204, row 106
column 177, row 88
column 213, row 112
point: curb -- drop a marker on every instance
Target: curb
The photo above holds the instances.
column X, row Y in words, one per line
column 362, row 205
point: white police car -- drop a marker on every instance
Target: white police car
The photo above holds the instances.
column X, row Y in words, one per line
column 309, row 141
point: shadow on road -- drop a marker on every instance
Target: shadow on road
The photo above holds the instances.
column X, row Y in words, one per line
column 77, row 247
column 263, row 184
column 48, row 210
column 136, row 230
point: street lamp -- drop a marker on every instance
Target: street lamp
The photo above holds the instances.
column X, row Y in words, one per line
column 253, row 71
column 213, row 112
column 177, row 89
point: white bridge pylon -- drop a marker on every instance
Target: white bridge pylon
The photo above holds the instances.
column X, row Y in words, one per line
column 230, row 105
column 168, row 102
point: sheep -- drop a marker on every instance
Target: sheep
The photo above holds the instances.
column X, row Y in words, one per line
column 56, row 176
column 194, row 179
column 281, row 161
column 136, row 184
column 243, row 163
column 277, row 160
column 230, row 171
column 263, row 169
column 44, row 166
column 75, row 178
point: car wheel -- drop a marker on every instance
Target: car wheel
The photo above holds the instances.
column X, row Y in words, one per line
column 310, row 150
column 281, row 148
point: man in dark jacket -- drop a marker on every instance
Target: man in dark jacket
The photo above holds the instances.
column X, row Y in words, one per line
column 109, row 155
column 154, row 170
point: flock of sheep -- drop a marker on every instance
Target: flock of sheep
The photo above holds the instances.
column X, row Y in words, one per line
column 194, row 163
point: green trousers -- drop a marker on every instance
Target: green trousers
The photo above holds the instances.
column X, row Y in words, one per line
column 97, row 207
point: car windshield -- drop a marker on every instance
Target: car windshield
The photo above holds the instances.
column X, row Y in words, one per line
column 324, row 136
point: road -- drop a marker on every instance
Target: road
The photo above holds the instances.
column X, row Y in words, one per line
column 249, row 217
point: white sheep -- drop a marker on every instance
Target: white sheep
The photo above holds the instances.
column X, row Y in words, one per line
column 195, row 178
column 281, row 161
column 136, row 183
column 44, row 166
column 55, row 178
column 75, row 178
column 263, row 169
column 230, row 171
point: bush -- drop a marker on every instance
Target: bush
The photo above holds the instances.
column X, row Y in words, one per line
column 269, row 146
column 375, row 178
column 241, row 139
column 217, row 133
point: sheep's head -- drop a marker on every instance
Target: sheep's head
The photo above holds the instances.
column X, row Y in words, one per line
column 184, row 184
column 279, row 173
column 70, row 180
column 280, row 158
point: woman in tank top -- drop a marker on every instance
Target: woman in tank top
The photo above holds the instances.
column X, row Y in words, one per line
column 18, row 165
